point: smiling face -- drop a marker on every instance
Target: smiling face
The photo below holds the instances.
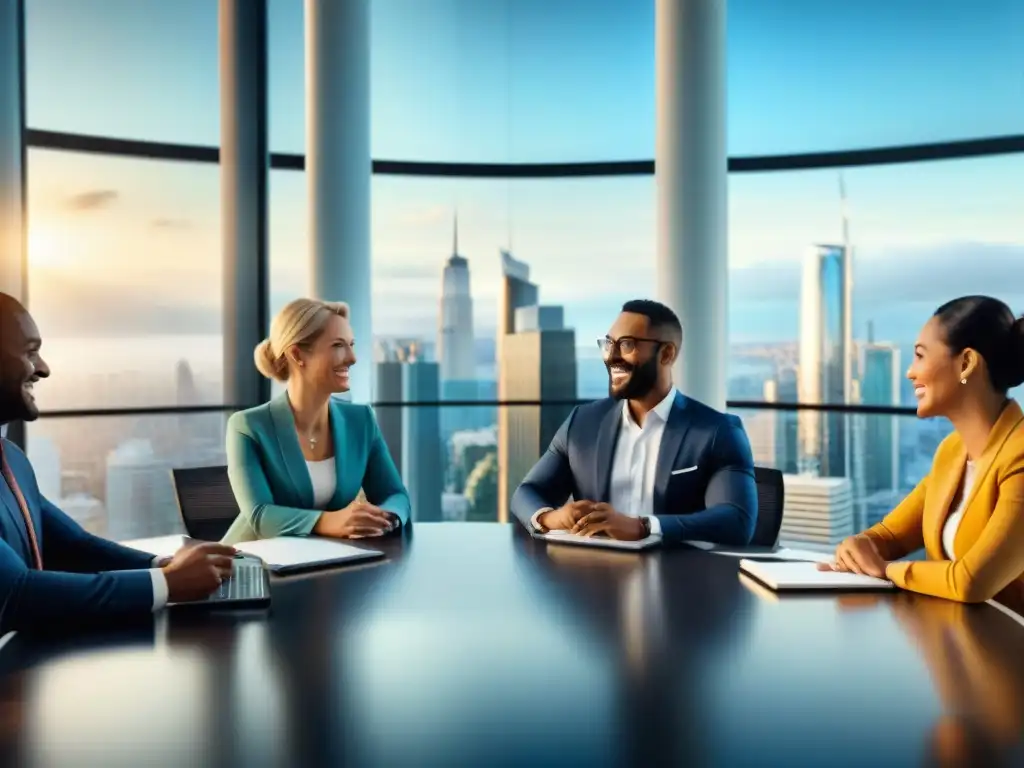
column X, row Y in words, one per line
column 632, row 357
column 325, row 362
column 21, row 365
column 937, row 372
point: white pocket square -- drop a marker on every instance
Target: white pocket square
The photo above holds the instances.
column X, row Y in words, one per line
column 685, row 470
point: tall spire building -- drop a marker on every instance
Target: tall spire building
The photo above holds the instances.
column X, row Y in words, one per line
column 455, row 330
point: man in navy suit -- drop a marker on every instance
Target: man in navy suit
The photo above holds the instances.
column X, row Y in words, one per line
column 52, row 572
column 647, row 460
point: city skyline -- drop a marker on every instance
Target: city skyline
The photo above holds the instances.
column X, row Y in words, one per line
column 125, row 275
column 488, row 82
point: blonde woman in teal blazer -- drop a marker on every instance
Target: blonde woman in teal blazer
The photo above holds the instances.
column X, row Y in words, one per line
column 298, row 463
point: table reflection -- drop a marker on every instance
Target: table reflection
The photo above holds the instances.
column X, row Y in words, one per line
column 666, row 620
column 975, row 654
column 477, row 645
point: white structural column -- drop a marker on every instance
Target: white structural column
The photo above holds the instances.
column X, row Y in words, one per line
column 13, row 198
column 13, row 218
column 338, row 166
column 691, row 175
column 244, row 162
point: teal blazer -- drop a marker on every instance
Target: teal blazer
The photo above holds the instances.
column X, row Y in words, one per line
column 271, row 482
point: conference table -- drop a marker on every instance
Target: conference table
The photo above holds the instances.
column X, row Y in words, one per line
column 472, row 644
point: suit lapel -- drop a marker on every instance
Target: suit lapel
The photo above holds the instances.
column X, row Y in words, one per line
column 607, row 435
column 936, row 513
column 1009, row 420
column 17, row 520
column 291, row 452
column 671, row 442
column 339, row 433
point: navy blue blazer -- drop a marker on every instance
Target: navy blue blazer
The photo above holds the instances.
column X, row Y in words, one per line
column 716, row 502
column 86, row 578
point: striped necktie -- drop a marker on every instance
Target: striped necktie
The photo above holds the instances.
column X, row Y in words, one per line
column 8, row 474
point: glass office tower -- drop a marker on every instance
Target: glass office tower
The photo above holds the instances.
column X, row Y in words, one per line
column 880, row 385
column 825, row 371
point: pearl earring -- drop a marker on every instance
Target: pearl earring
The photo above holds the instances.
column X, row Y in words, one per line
column 963, row 381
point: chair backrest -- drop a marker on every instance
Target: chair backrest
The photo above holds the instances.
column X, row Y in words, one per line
column 205, row 501
column 771, row 498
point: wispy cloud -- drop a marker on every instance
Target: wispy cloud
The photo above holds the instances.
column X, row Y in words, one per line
column 92, row 200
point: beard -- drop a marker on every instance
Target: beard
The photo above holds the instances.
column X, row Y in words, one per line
column 16, row 404
column 641, row 379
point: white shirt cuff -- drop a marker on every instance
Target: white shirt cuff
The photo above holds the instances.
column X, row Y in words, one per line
column 655, row 525
column 535, row 520
column 160, row 592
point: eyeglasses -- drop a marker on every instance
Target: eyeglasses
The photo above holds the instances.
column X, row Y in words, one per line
column 626, row 344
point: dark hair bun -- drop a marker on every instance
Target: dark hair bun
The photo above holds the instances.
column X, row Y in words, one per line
column 987, row 326
column 1015, row 353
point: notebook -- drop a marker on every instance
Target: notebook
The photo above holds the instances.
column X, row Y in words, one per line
column 805, row 575
column 281, row 555
column 564, row 537
column 291, row 554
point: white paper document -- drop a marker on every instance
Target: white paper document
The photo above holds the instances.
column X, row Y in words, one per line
column 293, row 552
column 564, row 537
column 805, row 575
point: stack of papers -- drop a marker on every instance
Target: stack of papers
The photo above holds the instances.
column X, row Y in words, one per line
column 805, row 575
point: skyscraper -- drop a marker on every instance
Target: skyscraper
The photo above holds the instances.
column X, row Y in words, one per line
column 413, row 433
column 880, row 385
column 140, row 496
column 536, row 362
column 773, row 433
column 422, row 465
column 455, row 331
column 457, row 348
column 825, row 374
column 819, row 510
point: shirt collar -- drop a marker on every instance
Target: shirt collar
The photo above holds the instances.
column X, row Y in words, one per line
column 661, row 410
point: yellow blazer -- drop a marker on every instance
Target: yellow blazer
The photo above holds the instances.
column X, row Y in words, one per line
column 989, row 544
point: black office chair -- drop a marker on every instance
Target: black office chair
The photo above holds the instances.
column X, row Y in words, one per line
column 205, row 501
column 771, row 497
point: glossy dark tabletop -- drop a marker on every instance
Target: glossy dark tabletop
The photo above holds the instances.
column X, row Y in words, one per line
column 473, row 645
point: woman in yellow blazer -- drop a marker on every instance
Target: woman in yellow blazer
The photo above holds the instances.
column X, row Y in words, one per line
column 968, row 512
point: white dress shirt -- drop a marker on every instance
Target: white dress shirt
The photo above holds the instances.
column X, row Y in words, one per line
column 635, row 463
column 324, row 476
column 160, row 591
column 953, row 521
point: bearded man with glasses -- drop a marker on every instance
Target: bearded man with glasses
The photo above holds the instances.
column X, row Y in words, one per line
column 647, row 460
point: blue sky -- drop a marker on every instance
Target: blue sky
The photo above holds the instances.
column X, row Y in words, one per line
column 548, row 80
column 536, row 80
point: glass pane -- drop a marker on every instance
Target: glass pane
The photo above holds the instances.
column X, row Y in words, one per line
column 496, row 81
column 535, row 81
column 912, row 231
column 135, row 69
column 808, row 76
column 891, row 456
column 589, row 245
column 112, row 473
column 125, row 280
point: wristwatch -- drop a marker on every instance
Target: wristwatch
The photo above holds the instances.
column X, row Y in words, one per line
column 646, row 523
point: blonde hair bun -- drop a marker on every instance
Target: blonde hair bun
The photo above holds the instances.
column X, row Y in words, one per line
column 267, row 363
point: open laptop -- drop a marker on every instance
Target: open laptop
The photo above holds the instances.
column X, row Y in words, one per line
column 564, row 537
column 248, row 587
